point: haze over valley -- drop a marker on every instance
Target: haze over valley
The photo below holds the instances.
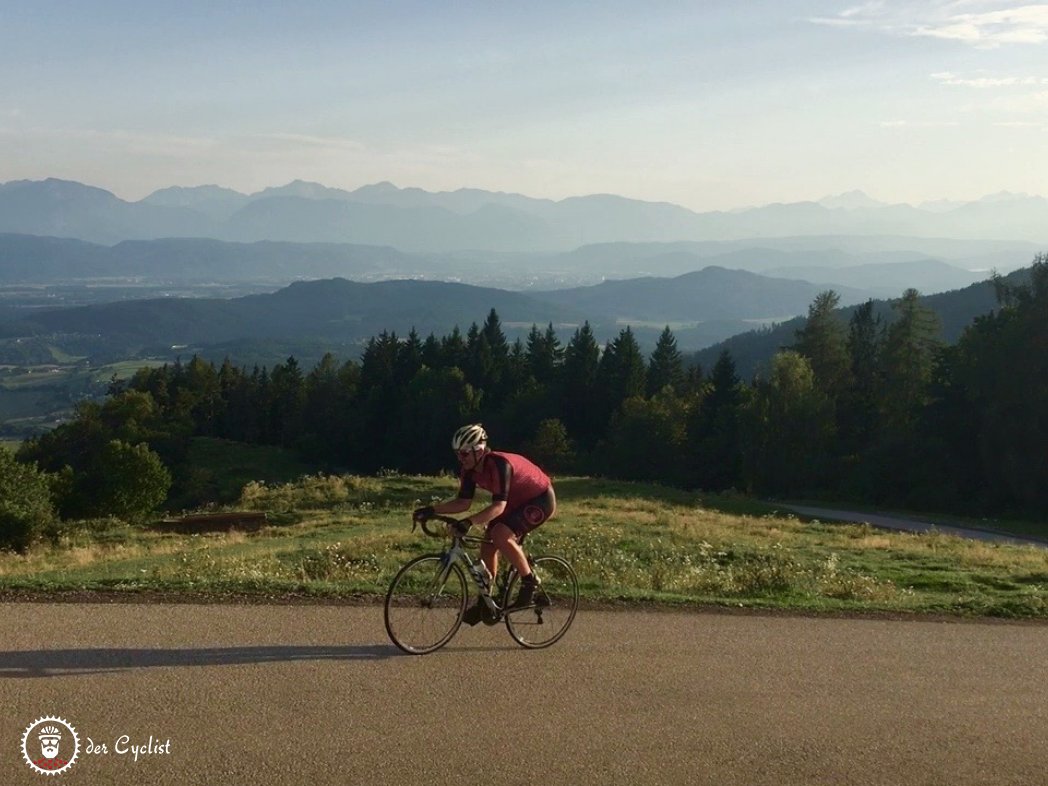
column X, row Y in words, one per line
column 86, row 277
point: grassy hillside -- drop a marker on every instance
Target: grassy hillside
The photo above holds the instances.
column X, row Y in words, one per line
column 345, row 536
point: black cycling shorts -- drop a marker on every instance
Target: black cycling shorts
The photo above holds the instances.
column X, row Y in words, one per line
column 529, row 516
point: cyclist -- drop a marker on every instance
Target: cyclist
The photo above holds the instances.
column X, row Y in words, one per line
column 522, row 499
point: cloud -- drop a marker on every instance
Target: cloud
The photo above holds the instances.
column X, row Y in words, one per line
column 918, row 124
column 1006, row 94
column 979, row 23
column 1034, row 103
column 949, row 78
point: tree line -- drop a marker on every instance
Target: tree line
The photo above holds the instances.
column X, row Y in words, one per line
column 872, row 410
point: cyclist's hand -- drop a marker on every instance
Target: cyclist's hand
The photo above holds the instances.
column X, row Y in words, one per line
column 423, row 514
column 459, row 528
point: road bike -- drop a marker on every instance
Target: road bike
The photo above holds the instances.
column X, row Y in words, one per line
column 428, row 596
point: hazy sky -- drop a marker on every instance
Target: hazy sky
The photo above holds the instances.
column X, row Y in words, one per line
column 712, row 105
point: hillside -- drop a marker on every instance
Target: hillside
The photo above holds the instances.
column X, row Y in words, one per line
column 41, row 260
column 713, row 293
column 882, row 268
column 334, row 309
column 956, row 310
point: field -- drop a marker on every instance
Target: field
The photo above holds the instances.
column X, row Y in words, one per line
column 35, row 398
column 345, row 536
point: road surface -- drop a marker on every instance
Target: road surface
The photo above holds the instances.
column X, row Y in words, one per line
column 314, row 694
column 909, row 525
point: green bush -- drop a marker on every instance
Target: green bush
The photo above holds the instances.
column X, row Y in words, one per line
column 133, row 481
column 26, row 510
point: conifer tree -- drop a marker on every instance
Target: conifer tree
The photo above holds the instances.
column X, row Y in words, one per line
column 667, row 365
column 622, row 373
column 823, row 341
column 715, row 457
column 581, row 364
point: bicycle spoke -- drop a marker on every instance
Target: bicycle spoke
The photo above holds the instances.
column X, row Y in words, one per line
column 553, row 610
column 424, row 604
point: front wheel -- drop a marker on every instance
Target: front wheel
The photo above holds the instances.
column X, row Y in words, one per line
column 556, row 600
column 425, row 604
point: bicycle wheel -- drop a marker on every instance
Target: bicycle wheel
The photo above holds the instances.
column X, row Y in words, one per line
column 424, row 604
column 556, row 600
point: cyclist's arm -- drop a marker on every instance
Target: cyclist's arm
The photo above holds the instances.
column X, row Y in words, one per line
column 491, row 512
column 464, row 500
column 457, row 505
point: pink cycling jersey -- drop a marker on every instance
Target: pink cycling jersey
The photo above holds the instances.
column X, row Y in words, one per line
column 508, row 476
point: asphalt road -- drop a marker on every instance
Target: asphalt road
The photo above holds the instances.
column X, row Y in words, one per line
column 314, row 694
column 885, row 521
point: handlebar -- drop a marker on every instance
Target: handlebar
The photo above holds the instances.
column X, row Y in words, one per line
column 440, row 532
column 437, row 532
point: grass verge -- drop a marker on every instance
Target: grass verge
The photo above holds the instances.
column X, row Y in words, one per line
column 345, row 536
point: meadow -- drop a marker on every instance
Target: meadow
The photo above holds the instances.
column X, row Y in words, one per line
column 342, row 537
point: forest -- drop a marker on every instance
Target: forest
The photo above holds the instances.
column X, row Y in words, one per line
column 873, row 411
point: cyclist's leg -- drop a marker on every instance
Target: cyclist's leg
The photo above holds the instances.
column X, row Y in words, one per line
column 505, row 541
column 508, row 531
column 489, row 555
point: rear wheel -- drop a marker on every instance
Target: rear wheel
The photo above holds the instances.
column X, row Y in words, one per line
column 425, row 604
column 554, row 606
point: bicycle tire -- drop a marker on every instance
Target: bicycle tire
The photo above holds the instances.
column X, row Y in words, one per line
column 425, row 604
column 556, row 601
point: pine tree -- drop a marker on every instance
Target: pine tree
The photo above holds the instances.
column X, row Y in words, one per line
column 823, row 341
column 715, row 457
column 581, row 364
column 453, row 350
column 995, row 392
column 906, row 363
column 622, row 373
column 287, row 398
column 857, row 412
column 667, row 365
column 544, row 354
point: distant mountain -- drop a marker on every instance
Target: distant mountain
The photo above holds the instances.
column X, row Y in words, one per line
column 416, row 220
column 705, row 306
column 61, row 208
column 883, row 266
column 713, row 293
column 417, row 229
column 333, row 309
column 214, row 202
column 886, row 279
column 852, row 200
column 43, row 260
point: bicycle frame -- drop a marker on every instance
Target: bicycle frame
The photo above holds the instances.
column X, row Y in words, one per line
column 457, row 552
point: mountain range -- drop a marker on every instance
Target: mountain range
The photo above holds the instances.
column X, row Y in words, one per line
column 414, row 220
column 602, row 258
column 882, row 270
column 710, row 304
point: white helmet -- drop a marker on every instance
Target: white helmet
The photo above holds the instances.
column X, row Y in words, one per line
column 469, row 437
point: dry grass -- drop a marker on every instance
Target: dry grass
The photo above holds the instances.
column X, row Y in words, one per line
column 345, row 534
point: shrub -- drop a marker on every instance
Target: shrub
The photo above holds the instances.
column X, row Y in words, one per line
column 26, row 510
column 133, row 481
